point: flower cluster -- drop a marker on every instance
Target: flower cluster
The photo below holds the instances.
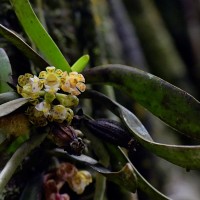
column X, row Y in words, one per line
column 43, row 91
column 76, row 179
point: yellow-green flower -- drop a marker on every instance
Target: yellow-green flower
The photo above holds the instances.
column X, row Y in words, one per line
column 29, row 86
column 51, row 77
column 79, row 181
column 74, row 83
column 46, row 88
column 59, row 113
column 36, row 117
column 44, row 107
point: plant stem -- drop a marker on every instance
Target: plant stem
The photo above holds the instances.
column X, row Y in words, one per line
column 18, row 157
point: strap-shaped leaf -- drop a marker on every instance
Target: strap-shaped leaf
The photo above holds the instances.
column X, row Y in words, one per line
column 11, row 106
column 181, row 155
column 80, row 64
column 5, row 71
column 171, row 104
column 22, row 46
column 8, row 96
column 38, row 34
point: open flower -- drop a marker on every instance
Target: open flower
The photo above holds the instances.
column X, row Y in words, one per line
column 66, row 171
column 51, row 77
column 74, row 83
column 29, row 86
column 59, row 113
column 52, row 188
column 44, row 107
column 55, row 106
column 79, row 181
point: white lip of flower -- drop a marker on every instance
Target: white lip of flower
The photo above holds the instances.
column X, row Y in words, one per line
column 35, row 81
column 44, row 107
column 59, row 112
column 52, row 89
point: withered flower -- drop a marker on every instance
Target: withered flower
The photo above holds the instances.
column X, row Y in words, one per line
column 65, row 136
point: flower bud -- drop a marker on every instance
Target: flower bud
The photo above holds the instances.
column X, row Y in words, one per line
column 65, row 137
column 110, row 131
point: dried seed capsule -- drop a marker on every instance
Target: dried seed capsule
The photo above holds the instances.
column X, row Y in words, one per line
column 65, row 137
column 110, row 131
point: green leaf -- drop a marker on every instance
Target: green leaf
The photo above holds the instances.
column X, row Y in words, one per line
column 181, row 155
column 140, row 183
column 136, row 180
column 125, row 177
column 22, row 46
column 6, row 71
column 11, row 106
column 171, row 104
column 8, row 96
column 38, row 34
column 80, row 64
column 144, row 185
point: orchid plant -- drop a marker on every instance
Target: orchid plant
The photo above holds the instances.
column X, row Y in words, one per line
column 42, row 111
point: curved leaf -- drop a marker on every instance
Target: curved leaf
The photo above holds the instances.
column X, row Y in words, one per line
column 137, row 179
column 181, row 155
column 171, row 104
column 80, row 64
column 22, row 46
column 38, row 34
column 11, row 106
column 8, row 96
column 144, row 185
column 125, row 177
column 6, row 71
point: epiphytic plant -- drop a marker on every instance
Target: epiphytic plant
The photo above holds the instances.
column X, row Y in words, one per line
column 42, row 109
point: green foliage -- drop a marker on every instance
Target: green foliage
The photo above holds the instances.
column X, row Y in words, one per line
column 182, row 155
column 80, row 64
column 11, row 106
column 6, row 71
column 22, row 46
column 38, row 34
column 172, row 105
